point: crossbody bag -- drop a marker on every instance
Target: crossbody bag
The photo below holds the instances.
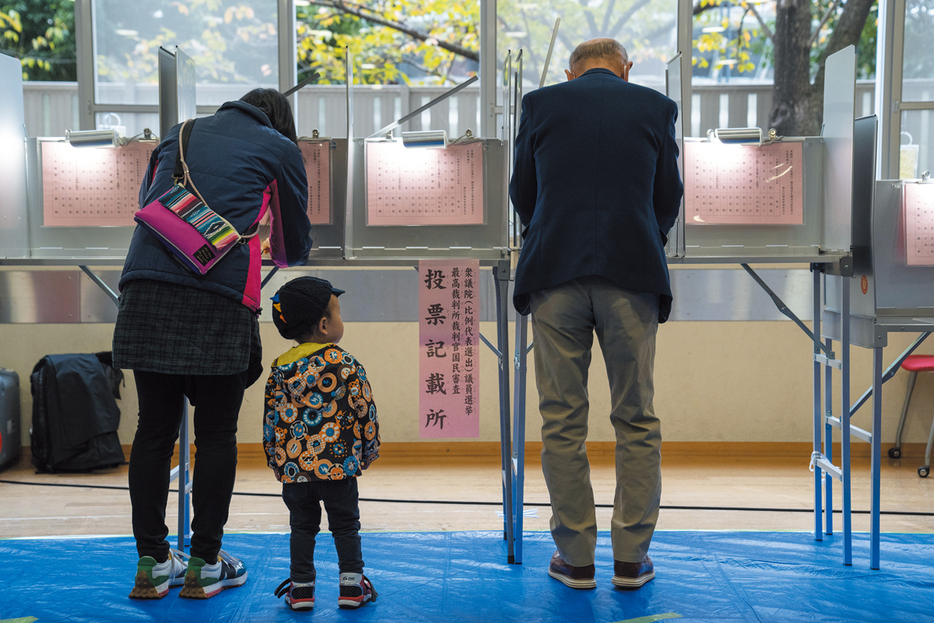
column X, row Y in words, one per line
column 180, row 218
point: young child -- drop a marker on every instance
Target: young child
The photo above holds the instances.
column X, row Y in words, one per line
column 320, row 431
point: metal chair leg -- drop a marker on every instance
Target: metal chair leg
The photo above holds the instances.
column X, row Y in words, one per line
column 925, row 469
column 896, row 452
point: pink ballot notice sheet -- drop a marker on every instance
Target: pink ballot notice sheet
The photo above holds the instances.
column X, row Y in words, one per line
column 317, row 157
column 92, row 187
column 449, row 345
column 406, row 186
column 743, row 184
column 918, row 207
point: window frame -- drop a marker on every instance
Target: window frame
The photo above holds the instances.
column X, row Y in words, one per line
column 89, row 108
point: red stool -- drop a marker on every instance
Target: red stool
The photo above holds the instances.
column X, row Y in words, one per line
column 914, row 364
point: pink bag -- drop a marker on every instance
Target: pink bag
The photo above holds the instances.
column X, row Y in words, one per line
column 197, row 235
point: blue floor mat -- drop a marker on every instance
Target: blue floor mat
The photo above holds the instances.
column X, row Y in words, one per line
column 463, row 576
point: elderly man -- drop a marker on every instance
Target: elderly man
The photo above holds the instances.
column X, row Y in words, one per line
column 597, row 187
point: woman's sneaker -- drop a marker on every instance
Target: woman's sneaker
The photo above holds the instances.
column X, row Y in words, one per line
column 298, row 595
column 356, row 590
column 203, row 580
column 154, row 579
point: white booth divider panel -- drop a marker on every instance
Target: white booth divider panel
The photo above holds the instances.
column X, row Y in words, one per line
column 839, row 115
column 13, row 216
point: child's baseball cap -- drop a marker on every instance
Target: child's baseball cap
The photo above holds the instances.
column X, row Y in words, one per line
column 300, row 304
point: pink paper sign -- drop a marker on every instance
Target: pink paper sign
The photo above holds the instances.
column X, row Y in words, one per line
column 743, row 184
column 92, row 186
column 411, row 186
column 449, row 337
column 317, row 157
column 918, row 207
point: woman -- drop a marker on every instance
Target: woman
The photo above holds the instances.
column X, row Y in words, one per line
column 186, row 334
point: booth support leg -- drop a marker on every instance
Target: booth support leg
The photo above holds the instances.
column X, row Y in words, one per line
column 518, row 439
column 845, row 424
column 876, row 457
column 816, row 449
column 828, row 442
column 501, row 277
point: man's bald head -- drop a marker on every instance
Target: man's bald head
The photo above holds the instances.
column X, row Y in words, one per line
column 599, row 53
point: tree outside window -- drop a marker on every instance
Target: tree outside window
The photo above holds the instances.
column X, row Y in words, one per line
column 785, row 43
column 435, row 42
column 41, row 33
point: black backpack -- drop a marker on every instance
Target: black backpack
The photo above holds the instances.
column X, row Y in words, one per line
column 74, row 413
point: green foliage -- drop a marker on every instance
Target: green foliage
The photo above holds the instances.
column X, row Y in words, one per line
column 383, row 36
column 233, row 42
column 727, row 35
column 866, row 50
column 41, row 34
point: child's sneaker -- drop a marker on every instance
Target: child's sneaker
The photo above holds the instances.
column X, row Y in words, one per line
column 203, row 580
column 298, row 595
column 154, row 579
column 356, row 590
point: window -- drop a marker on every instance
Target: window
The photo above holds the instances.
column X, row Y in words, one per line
column 646, row 28
column 233, row 43
column 738, row 81
column 405, row 53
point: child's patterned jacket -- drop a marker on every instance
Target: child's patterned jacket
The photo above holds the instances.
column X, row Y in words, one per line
column 320, row 418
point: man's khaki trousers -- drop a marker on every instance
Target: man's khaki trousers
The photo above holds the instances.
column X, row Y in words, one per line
column 564, row 320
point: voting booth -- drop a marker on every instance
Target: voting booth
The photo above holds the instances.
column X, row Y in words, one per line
column 754, row 197
column 891, row 290
column 326, row 167
column 83, row 189
column 420, row 202
column 749, row 198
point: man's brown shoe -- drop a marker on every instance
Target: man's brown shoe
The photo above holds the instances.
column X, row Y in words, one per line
column 633, row 574
column 575, row 577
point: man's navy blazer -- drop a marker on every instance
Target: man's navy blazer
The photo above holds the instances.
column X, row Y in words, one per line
column 596, row 185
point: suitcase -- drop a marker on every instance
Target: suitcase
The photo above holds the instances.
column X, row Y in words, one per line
column 10, row 444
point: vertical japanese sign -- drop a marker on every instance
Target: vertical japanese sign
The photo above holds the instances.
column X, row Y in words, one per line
column 449, row 336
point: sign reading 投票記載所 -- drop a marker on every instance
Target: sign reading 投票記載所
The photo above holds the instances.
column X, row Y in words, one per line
column 449, row 359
